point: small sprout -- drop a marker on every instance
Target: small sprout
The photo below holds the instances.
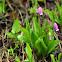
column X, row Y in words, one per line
column 17, row 59
column 49, row 36
column 56, row 27
column 39, row 11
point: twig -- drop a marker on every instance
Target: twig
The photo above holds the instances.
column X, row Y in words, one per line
column 7, row 56
column 56, row 36
column 22, row 48
column 44, row 60
column 21, row 15
column 45, row 3
column 10, row 5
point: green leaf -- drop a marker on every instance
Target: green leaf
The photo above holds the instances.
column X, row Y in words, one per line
column 11, row 51
column 16, row 46
column 46, row 23
column 17, row 59
column 52, row 45
column 26, row 33
column 36, row 26
column 26, row 60
column 33, row 37
column 22, row 38
column 1, row 9
column 41, row 0
column 57, row 60
column 52, row 58
column 59, row 56
column 40, row 45
column 11, row 35
column 27, row 25
column 32, row 10
column 58, row 6
column 29, row 53
column 16, row 26
column 42, row 31
column 61, row 1
column 59, row 9
column 3, row 2
column 50, row 13
column 56, row 17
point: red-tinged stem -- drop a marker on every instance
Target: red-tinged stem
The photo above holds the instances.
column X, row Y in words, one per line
column 58, row 32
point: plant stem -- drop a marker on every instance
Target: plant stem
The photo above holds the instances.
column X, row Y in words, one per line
column 45, row 4
column 39, row 27
column 28, row 3
column 44, row 60
column 23, row 50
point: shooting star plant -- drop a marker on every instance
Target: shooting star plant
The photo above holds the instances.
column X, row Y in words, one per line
column 49, row 36
column 56, row 27
column 39, row 11
column 34, row 38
